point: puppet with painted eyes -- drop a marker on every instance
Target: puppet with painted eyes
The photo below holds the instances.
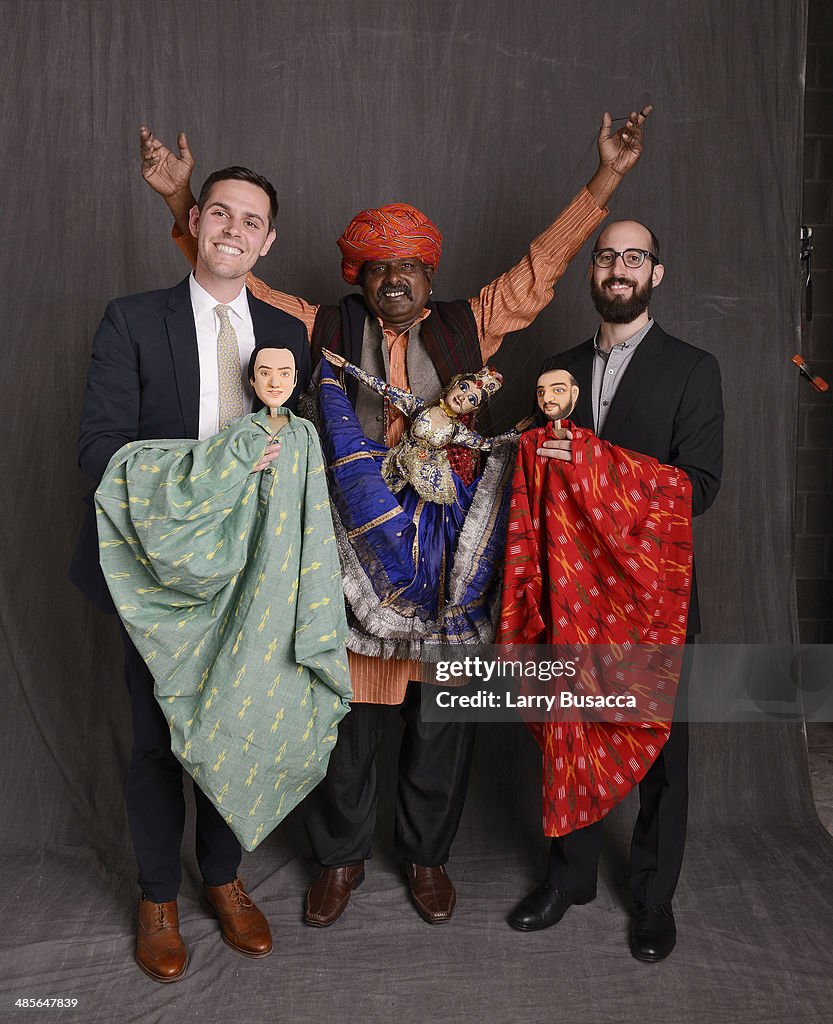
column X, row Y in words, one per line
column 405, row 509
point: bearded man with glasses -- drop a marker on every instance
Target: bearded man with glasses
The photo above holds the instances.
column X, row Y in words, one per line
column 640, row 389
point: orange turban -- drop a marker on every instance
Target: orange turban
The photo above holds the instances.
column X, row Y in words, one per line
column 392, row 232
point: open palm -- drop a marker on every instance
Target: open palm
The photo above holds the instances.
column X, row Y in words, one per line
column 167, row 174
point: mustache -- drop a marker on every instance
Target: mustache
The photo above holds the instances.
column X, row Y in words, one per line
column 386, row 289
column 619, row 280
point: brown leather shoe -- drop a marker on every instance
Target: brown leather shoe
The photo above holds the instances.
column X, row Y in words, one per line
column 330, row 893
column 433, row 893
column 160, row 951
column 244, row 927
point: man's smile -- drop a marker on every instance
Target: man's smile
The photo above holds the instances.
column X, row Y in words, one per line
column 619, row 284
column 398, row 291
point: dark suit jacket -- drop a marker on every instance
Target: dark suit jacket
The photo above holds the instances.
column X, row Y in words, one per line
column 669, row 405
column 144, row 382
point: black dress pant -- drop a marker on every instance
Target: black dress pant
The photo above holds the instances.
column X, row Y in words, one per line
column 434, row 764
column 658, row 841
column 155, row 801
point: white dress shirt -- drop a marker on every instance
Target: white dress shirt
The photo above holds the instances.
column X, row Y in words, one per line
column 207, row 324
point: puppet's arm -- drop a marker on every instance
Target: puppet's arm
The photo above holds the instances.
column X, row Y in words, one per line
column 403, row 400
column 471, row 439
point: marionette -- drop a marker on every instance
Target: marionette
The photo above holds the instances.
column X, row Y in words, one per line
column 601, row 571
column 221, row 560
column 420, row 546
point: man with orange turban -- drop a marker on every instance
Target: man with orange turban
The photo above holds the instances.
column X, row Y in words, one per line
column 385, row 234
column 394, row 331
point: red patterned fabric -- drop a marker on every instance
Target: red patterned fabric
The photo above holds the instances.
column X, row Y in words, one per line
column 598, row 552
column 465, row 462
column 391, row 232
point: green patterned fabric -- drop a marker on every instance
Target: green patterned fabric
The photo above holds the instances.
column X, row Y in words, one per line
column 229, row 585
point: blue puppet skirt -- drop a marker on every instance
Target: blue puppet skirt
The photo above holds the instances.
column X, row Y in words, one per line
column 416, row 572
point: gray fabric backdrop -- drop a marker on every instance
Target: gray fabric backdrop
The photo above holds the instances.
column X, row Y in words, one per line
column 481, row 113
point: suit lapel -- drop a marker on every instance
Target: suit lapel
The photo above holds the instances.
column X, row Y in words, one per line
column 182, row 338
column 636, row 379
column 582, row 370
column 263, row 327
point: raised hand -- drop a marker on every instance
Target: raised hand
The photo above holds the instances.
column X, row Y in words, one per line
column 619, row 151
column 333, row 358
column 166, row 173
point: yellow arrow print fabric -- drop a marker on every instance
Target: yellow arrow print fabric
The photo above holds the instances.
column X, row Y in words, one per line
column 230, row 587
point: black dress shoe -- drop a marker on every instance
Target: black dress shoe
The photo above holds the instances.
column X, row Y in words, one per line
column 545, row 906
column 653, row 932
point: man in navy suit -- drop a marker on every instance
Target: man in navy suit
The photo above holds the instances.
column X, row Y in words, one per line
column 171, row 364
column 645, row 391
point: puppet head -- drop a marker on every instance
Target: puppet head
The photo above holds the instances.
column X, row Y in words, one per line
column 272, row 374
column 466, row 392
column 556, row 394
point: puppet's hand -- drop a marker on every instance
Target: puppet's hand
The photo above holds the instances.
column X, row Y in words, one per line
column 562, row 450
column 618, row 152
column 166, row 174
column 333, row 358
column 271, row 452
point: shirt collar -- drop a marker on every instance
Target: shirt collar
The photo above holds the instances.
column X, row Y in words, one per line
column 203, row 303
column 623, row 346
column 392, row 336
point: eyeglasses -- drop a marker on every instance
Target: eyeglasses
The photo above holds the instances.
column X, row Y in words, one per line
column 632, row 258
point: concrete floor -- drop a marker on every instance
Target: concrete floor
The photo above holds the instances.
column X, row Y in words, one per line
column 820, row 748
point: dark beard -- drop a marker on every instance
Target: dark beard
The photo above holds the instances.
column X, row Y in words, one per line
column 615, row 309
column 561, row 413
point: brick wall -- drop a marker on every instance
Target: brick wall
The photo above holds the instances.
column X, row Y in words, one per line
column 814, row 497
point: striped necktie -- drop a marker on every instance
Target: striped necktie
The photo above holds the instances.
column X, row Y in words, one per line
column 230, row 403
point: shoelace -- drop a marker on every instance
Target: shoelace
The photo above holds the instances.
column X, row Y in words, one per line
column 162, row 915
column 239, row 896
